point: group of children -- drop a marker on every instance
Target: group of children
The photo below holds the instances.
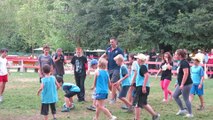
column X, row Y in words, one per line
column 133, row 85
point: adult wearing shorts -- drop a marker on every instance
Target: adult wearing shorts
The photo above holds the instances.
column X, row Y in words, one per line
column 113, row 68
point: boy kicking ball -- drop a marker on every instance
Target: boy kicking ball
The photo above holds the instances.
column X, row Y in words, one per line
column 70, row 90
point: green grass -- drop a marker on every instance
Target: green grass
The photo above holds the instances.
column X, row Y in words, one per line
column 22, row 103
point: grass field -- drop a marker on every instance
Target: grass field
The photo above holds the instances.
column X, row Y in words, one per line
column 22, row 103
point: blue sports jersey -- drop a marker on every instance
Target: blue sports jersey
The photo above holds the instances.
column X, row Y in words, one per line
column 140, row 79
column 49, row 93
column 123, row 72
column 102, row 82
column 197, row 73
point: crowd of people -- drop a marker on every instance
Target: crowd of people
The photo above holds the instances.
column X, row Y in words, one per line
column 127, row 81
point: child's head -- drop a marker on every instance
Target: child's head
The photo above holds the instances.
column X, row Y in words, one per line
column 180, row 54
column 167, row 57
column 46, row 69
column 59, row 51
column 94, row 64
column 46, row 49
column 102, row 63
column 119, row 59
column 196, row 60
column 131, row 58
column 79, row 51
column 3, row 52
column 141, row 58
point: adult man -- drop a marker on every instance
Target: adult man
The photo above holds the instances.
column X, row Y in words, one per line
column 113, row 68
column 58, row 59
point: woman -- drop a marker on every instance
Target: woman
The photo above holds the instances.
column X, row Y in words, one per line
column 184, row 84
column 166, row 77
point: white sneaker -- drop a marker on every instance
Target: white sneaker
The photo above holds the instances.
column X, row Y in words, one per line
column 1, row 98
column 189, row 115
column 113, row 118
column 112, row 101
column 181, row 112
column 157, row 117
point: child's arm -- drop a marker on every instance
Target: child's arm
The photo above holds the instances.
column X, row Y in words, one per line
column 202, row 79
column 95, row 78
column 40, row 89
column 134, row 77
column 146, row 77
column 159, row 71
column 109, row 84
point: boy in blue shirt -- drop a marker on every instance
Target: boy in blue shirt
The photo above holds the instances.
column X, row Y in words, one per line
column 70, row 90
column 101, row 85
column 197, row 75
column 142, row 89
column 48, row 90
column 124, row 81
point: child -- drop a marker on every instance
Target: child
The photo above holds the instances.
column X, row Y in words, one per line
column 123, row 81
column 70, row 90
column 197, row 75
column 49, row 95
column 43, row 60
column 142, row 90
column 102, row 84
column 80, row 66
column 3, row 72
column 166, row 77
column 93, row 66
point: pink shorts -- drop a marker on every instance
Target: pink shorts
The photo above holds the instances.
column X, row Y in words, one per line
column 4, row 78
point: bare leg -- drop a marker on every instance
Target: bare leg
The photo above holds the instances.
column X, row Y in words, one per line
column 191, row 97
column 113, row 91
column 128, row 104
column 149, row 109
column 201, row 101
column 45, row 117
column 2, row 87
column 130, row 99
column 67, row 101
column 137, row 113
column 100, row 107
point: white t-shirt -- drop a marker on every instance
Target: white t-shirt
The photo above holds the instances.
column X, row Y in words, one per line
column 3, row 66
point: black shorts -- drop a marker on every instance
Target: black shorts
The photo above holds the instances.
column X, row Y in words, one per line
column 59, row 79
column 45, row 108
column 69, row 93
column 140, row 98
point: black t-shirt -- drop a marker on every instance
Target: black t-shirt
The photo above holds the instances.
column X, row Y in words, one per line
column 79, row 64
column 151, row 56
column 143, row 70
column 166, row 73
column 59, row 65
column 184, row 64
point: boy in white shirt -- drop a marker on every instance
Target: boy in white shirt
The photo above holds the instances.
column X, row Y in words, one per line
column 3, row 72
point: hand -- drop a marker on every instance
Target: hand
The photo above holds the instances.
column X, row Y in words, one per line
column 92, row 88
column 176, row 85
column 143, row 89
column 156, row 77
column 200, row 86
column 38, row 93
column 117, row 83
column 181, row 87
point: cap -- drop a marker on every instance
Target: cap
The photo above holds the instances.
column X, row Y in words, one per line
column 141, row 57
column 93, row 62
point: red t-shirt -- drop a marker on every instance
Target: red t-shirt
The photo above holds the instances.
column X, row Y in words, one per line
column 210, row 61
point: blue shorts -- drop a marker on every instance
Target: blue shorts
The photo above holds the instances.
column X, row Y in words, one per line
column 123, row 92
column 196, row 91
column 101, row 96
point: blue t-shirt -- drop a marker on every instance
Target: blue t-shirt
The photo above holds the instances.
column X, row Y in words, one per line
column 102, row 82
column 197, row 73
column 123, row 72
column 141, row 70
column 49, row 93
column 111, row 54
column 73, row 88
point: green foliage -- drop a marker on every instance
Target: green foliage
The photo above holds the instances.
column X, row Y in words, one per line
column 138, row 24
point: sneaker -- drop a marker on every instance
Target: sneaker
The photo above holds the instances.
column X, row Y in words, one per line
column 112, row 101
column 181, row 112
column 189, row 115
column 113, row 118
column 124, row 107
column 200, row 108
column 130, row 109
column 65, row 109
column 54, row 119
column 92, row 108
column 72, row 107
column 1, row 98
column 156, row 117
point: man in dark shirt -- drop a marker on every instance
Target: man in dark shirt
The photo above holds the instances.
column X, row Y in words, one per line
column 113, row 68
column 80, row 66
column 58, row 59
